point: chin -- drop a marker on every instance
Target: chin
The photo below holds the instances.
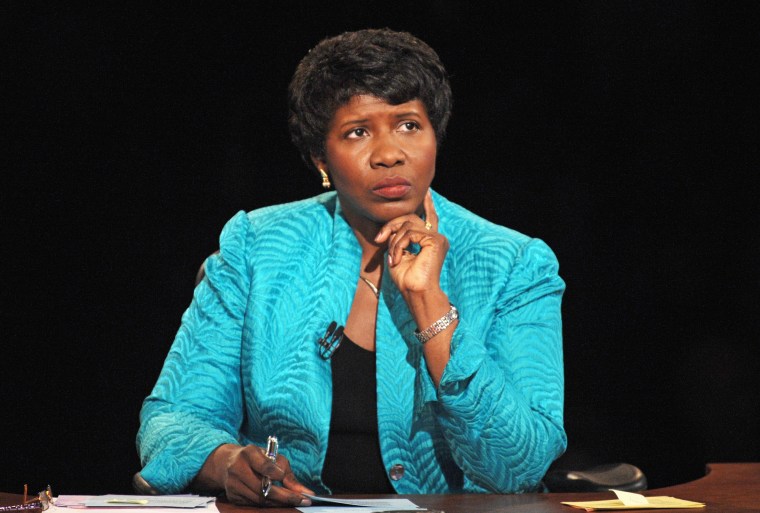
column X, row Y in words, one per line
column 394, row 209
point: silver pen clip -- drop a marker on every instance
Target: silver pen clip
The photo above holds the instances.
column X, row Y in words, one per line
column 271, row 454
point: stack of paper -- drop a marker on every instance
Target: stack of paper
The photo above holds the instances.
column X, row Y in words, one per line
column 149, row 503
column 107, row 503
column 629, row 501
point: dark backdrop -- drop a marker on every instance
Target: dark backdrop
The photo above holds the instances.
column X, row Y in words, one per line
column 621, row 133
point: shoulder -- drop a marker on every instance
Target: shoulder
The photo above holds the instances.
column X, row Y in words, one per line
column 312, row 210
column 276, row 232
column 484, row 256
column 295, row 219
column 470, row 234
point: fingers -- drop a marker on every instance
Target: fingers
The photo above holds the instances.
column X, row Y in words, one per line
column 407, row 234
column 247, row 471
column 244, row 475
column 394, row 225
column 281, row 495
column 291, row 483
column 431, row 216
column 401, row 232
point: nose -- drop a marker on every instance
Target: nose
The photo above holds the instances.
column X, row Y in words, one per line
column 386, row 152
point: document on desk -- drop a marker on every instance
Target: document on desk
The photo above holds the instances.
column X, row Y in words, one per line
column 631, row 501
column 198, row 504
column 135, row 503
column 329, row 505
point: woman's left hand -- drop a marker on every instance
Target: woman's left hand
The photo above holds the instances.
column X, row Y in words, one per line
column 418, row 277
column 415, row 274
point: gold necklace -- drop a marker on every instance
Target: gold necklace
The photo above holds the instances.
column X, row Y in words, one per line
column 371, row 285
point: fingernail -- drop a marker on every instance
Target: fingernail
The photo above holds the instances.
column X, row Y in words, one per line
column 295, row 500
column 390, row 259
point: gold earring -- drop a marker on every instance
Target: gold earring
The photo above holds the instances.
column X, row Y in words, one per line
column 325, row 179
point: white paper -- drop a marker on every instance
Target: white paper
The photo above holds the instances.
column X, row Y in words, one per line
column 147, row 501
column 67, row 503
column 330, row 505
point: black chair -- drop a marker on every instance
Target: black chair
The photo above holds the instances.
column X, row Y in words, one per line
column 620, row 476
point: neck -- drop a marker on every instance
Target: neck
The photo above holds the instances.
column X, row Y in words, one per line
column 372, row 253
column 365, row 231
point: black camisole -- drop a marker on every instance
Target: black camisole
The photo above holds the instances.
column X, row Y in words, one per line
column 353, row 463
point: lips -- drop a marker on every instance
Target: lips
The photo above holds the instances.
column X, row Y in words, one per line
column 392, row 187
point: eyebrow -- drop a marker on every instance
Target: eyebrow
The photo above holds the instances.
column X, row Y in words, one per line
column 400, row 115
column 354, row 122
column 408, row 114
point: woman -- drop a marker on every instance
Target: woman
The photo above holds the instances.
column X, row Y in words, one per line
column 448, row 376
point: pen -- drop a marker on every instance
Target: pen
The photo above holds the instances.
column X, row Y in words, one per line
column 271, row 453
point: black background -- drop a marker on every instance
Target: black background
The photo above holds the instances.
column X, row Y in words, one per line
column 621, row 133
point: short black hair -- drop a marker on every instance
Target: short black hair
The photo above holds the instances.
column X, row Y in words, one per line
column 394, row 66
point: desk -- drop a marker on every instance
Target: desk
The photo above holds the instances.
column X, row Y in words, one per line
column 726, row 488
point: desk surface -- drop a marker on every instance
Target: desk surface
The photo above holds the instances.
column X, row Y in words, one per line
column 727, row 488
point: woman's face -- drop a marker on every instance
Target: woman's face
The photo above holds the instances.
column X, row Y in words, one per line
column 380, row 157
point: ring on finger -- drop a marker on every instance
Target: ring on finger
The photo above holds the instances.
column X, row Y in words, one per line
column 266, row 485
column 428, row 226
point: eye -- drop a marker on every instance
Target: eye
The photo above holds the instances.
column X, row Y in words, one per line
column 409, row 126
column 356, row 133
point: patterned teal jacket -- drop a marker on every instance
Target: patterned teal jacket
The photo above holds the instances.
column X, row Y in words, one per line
column 245, row 363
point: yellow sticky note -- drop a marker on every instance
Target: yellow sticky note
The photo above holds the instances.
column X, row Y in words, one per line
column 629, row 501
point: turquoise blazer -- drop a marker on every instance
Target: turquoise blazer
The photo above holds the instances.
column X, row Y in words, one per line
column 245, row 362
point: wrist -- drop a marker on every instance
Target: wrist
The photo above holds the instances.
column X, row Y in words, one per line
column 213, row 474
column 427, row 307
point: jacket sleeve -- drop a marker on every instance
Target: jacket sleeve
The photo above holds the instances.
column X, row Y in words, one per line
column 500, row 398
column 197, row 403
